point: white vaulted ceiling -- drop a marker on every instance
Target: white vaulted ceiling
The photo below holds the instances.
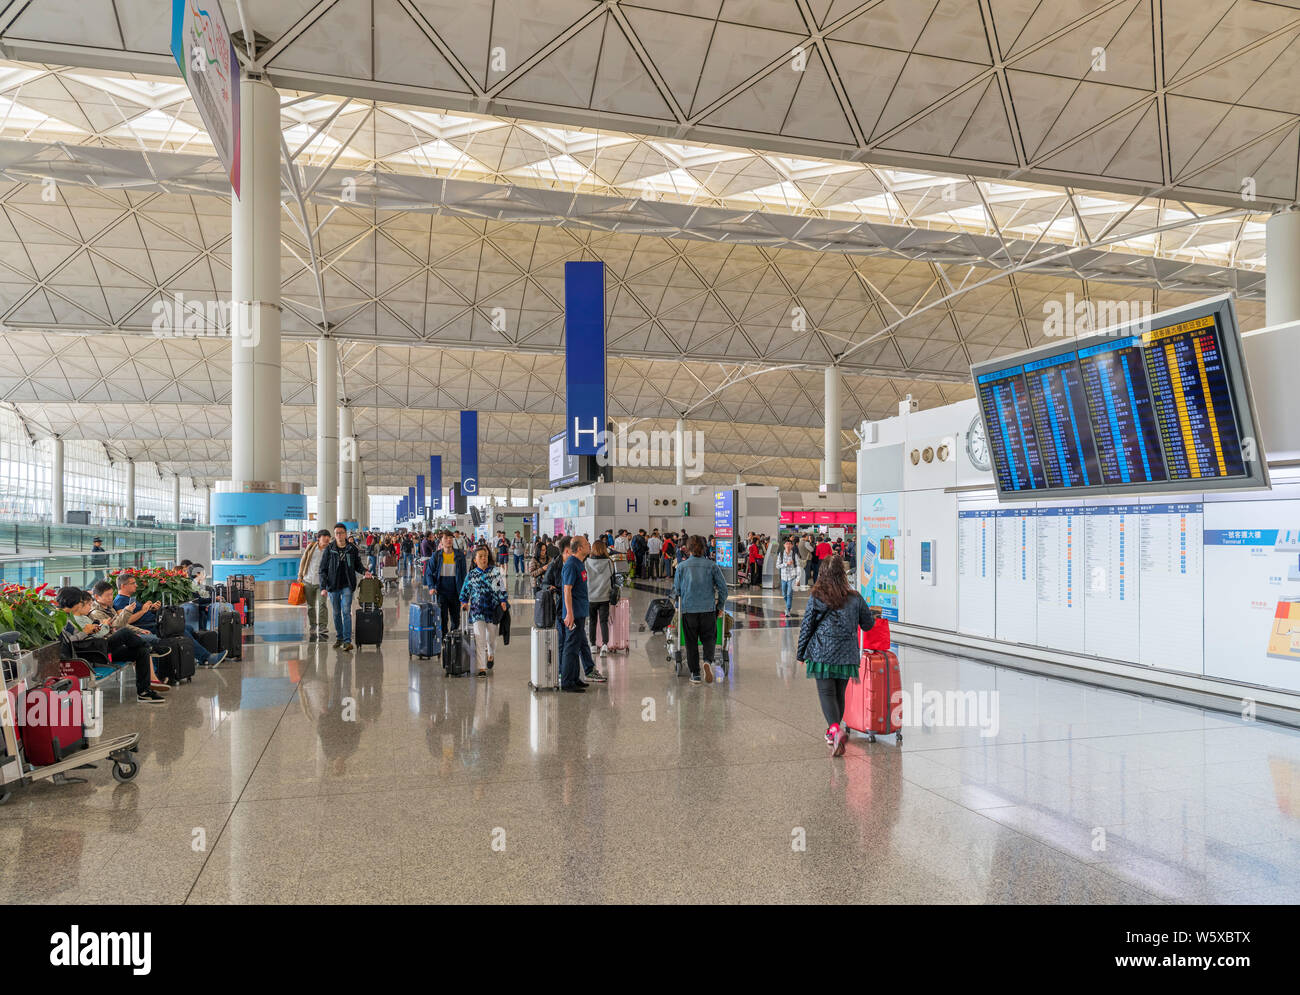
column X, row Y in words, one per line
column 915, row 203
column 1192, row 95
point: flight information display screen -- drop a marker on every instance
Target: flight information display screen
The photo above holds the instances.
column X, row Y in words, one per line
column 1163, row 403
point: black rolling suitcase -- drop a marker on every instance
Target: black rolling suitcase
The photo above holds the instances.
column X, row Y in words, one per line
column 455, row 654
column 230, row 635
column 369, row 626
column 659, row 614
column 210, row 640
column 178, row 665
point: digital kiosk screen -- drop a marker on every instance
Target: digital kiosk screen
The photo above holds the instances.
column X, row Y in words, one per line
column 1158, row 404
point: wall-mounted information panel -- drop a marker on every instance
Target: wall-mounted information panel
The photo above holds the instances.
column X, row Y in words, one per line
column 1159, row 404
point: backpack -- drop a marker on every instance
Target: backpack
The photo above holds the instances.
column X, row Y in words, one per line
column 370, row 592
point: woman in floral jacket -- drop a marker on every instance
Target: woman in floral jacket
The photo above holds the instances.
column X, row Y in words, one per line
column 484, row 596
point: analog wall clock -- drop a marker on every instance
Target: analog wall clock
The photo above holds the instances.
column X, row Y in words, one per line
column 977, row 446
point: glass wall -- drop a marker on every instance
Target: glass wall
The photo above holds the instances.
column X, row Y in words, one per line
column 91, row 482
column 24, row 472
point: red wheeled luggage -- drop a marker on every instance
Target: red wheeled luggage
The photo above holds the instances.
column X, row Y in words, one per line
column 620, row 627
column 52, row 721
column 869, row 701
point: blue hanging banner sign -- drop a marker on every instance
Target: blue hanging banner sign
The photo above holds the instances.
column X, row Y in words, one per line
column 584, row 358
column 469, row 452
column 411, row 508
column 419, row 493
column 435, row 482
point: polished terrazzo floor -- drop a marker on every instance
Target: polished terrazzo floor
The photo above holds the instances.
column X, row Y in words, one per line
column 256, row 787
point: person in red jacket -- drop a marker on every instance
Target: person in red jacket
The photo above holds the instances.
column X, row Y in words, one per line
column 755, row 563
column 822, row 551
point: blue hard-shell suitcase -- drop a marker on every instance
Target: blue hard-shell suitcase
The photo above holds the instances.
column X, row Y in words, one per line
column 424, row 638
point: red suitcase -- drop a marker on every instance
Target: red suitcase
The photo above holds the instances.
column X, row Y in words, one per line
column 620, row 627
column 52, row 721
column 869, row 701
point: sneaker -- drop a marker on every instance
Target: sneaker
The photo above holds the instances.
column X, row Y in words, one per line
column 830, row 737
column 489, row 663
column 597, row 677
column 347, row 647
column 707, row 668
column 216, row 659
column 338, row 644
column 604, row 651
column 695, row 679
column 841, row 740
column 150, row 698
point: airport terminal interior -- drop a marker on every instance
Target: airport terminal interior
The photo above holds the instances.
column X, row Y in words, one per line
column 931, row 354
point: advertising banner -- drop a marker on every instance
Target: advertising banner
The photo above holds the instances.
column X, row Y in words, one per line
column 202, row 49
column 435, row 482
column 879, row 544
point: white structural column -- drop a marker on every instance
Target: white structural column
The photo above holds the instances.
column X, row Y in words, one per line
column 255, row 289
column 130, row 491
column 207, row 505
column 530, row 493
column 176, row 499
column 1282, row 277
column 357, row 476
column 56, row 490
column 327, row 432
column 347, row 458
column 510, row 498
column 679, row 455
column 363, row 513
column 831, row 454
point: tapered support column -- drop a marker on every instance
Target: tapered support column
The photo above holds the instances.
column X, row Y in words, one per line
column 347, row 460
column 831, row 448
column 56, row 480
column 130, row 491
column 327, row 432
column 679, row 454
column 255, row 290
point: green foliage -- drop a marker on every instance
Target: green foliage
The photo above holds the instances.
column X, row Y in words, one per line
column 32, row 614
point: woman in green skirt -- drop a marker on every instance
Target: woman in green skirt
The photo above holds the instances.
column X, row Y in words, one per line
column 828, row 643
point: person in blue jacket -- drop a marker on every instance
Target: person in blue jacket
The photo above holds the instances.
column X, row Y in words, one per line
column 444, row 575
column 701, row 590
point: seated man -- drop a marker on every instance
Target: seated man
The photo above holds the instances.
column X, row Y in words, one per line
column 102, row 612
column 123, row 643
column 145, row 616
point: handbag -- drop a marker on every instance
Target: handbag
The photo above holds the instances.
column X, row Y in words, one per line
column 806, row 641
column 297, row 595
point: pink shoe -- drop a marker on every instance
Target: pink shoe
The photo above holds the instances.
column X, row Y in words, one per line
column 841, row 740
column 830, row 736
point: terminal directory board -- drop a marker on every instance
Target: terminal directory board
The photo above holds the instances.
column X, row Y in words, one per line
column 1160, row 404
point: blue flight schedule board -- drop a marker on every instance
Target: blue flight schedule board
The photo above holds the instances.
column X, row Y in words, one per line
column 1157, row 404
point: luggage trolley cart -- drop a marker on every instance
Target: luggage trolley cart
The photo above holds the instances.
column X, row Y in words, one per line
column 16, row 770
column 676, row 640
